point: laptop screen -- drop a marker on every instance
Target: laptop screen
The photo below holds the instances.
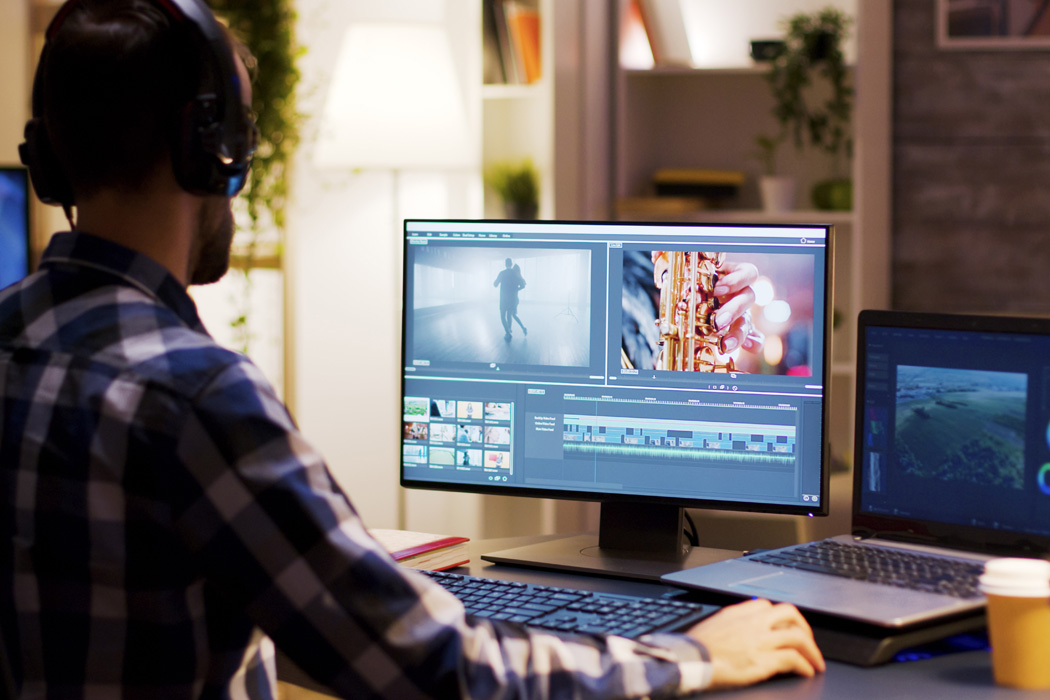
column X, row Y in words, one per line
column 954, row 427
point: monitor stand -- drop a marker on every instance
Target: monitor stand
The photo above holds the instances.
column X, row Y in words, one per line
column 635, row 540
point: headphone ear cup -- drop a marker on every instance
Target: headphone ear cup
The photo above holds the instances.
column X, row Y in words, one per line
column 45, row 170
column 185, row 154
column 197, row 167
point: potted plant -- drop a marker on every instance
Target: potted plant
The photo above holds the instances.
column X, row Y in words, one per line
column 813, row 95
column 517, row 185
column 777, row 191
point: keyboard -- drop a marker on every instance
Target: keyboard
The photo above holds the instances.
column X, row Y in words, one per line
column 570, row 609
column 903, row 569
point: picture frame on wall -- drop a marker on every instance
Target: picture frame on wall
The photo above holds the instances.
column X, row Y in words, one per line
column 993, row 24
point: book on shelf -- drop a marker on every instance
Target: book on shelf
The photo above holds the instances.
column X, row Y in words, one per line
column 665, row 27
column 524, row 24
column 494, row 72
column 423, row 550
column 697, row 182
column 511, row 42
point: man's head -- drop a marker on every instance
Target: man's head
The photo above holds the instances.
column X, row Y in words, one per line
column 508, row 262
column 122, row 83
column 127, row 87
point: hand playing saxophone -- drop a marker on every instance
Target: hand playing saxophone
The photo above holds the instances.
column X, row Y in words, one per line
column 731, row 316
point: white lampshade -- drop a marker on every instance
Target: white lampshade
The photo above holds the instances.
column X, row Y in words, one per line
column 394, row 101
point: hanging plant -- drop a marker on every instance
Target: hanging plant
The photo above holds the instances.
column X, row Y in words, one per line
column 267, row 28
column 813, row 54
column 813, row 51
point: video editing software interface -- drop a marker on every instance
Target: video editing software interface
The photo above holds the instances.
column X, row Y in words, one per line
column 956, row 427
column 653, row 361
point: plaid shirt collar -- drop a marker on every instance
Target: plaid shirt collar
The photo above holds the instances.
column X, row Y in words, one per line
column 131, row 268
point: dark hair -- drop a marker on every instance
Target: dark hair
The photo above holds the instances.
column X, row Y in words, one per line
column 118, row 75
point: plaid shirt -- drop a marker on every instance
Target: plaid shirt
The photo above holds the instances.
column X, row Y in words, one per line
column 162, row 519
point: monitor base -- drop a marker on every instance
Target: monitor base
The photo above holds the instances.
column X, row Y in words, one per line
column 581, row 554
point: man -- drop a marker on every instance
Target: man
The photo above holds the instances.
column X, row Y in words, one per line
column 162, row 519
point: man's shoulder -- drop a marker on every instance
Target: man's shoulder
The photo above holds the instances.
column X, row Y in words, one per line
column 184, row 359
column 121, row 330
column 159, row 347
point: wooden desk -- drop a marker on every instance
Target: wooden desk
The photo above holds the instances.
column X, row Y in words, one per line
column 959, row 676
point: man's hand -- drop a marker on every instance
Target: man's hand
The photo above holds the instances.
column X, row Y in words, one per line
column 756, row 640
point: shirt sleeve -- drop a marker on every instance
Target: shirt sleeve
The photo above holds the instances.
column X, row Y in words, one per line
column 270, row 527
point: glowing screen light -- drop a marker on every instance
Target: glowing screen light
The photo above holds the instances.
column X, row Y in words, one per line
column 773, row 352
column 763, row 289
column 778, row 311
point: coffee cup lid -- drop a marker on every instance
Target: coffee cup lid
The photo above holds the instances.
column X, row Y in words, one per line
column 1009, row 576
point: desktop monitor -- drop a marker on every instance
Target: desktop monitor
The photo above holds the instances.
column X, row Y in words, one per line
column 584, row 361
column 14, row 225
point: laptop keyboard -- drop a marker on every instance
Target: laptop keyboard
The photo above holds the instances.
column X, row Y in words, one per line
column 919, row 572
column 570, row 609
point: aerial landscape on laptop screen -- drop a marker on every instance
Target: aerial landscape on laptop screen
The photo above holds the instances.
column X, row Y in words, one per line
column 961, row 424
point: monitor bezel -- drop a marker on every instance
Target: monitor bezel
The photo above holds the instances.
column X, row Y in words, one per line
column 691, row 503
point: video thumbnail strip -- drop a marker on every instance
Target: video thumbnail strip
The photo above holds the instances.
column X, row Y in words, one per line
column 749, row 444
column 457, row 434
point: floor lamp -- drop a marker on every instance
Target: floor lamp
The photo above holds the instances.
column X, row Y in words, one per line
column 395, row 104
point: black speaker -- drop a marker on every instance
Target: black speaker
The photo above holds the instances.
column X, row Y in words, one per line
column 216, row 138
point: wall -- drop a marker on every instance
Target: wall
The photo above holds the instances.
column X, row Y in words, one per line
column 14, row 76
column 971, row 134
column 344, row 263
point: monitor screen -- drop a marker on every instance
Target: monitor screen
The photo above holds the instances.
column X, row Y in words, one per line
column 953, row 439
column 651, row 367
column 14, row 225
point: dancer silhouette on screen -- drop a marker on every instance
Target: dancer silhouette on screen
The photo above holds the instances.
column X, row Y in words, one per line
column 509, row 281
column 514, row 310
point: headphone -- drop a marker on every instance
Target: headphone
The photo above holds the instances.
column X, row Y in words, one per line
column 216, row 136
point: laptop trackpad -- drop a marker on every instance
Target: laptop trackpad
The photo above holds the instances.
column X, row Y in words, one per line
column 772, row 585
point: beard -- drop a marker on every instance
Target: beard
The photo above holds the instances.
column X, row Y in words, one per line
column 211, row 259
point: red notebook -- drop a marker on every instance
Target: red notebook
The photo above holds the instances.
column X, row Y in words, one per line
column 422, row 550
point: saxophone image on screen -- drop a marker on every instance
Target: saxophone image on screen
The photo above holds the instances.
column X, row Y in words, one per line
column 688, row 338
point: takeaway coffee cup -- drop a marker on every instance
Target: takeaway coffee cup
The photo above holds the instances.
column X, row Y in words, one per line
column 1018, row 592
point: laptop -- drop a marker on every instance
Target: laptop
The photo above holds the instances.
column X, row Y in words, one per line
column 952, row 459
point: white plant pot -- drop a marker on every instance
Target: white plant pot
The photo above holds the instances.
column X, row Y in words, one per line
column 778, row 193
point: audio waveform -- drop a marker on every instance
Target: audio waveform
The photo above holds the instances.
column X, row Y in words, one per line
column 618, row 450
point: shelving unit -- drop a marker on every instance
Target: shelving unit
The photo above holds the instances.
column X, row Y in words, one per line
column 596, row 132
column 562, row 122
column 758, row 216
column 709, row 118
column 518, row 121
column 680, row 71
